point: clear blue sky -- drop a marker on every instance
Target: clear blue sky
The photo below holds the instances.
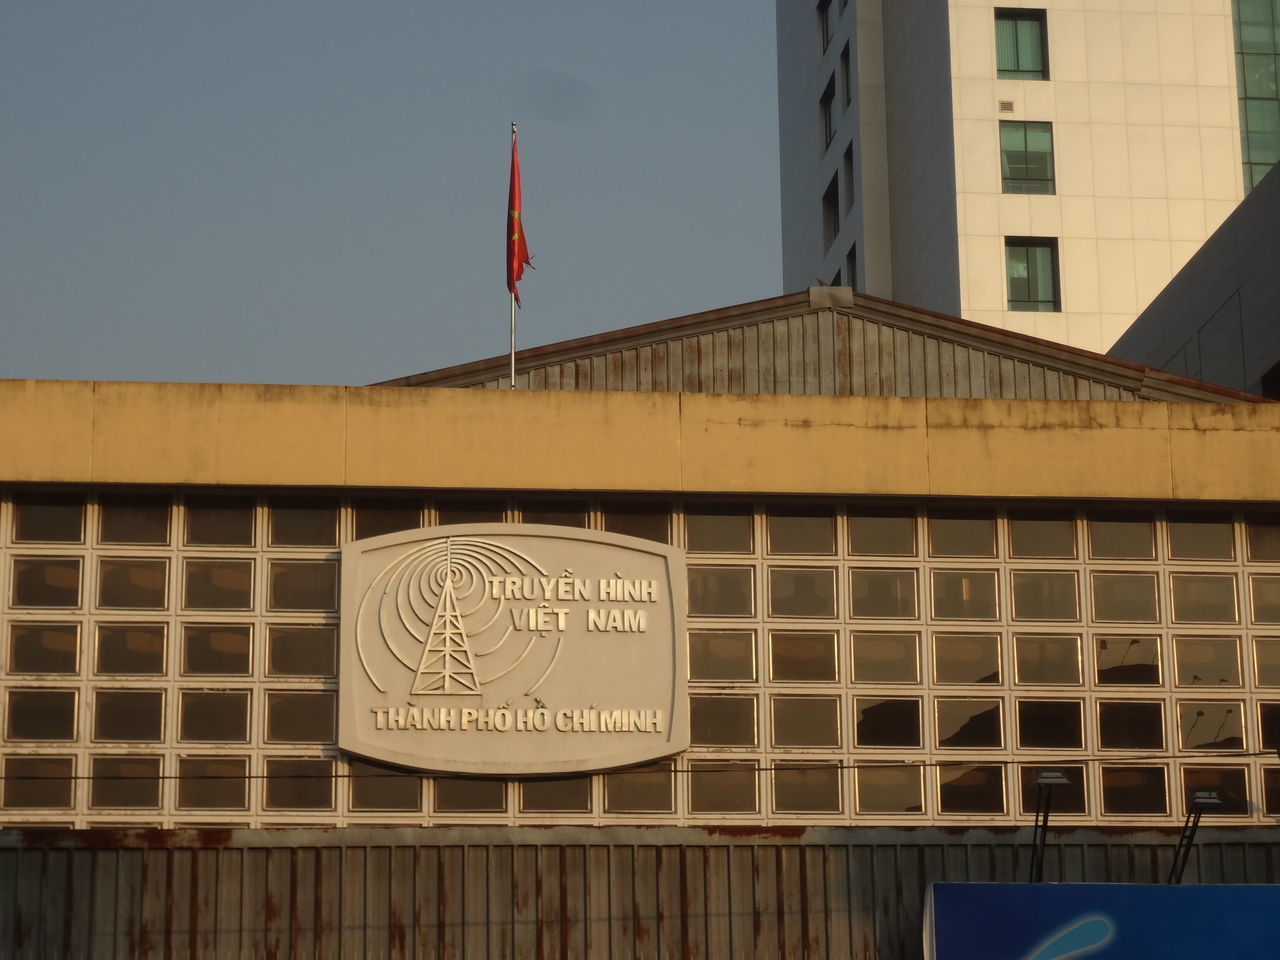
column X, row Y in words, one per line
column 314, row 191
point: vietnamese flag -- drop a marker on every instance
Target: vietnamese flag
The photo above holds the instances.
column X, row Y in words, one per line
column 517, row 249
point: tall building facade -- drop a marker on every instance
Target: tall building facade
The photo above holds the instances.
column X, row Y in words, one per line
column 1045, row 166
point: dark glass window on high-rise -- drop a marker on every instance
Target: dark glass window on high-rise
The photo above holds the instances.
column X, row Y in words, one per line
column 1026, row 157
column 1031, row 269
column 1257, row 29
column 1021, row 48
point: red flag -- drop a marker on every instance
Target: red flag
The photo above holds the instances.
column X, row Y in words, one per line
column 517, row 249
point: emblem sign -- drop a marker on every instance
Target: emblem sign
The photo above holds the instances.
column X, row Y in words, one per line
column 510, row 649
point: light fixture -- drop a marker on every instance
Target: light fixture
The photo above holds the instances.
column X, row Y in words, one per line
column 1044, row 782
column 1197, row 804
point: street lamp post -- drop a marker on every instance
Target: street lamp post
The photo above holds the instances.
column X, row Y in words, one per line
column 1045, row 781
column 1200, row 801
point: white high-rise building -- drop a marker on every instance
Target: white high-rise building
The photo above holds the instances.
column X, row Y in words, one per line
column 1044, row 166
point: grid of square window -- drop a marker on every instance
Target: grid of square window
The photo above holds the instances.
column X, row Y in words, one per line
column 170, row 658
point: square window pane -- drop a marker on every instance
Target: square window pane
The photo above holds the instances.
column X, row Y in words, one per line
column 1067, row 799
column 125, row 782
column 1050, row 724
column 131, row 648
column 218, row 584
column 721, row 591
column 1042, row 534
column 1207, row 661
column 806, row 788
column 299, row 784
column 133, row 519
column 374, row 517
column 555, row 513
column 1130, row 725
column 801, row 530
column 38, row 782
column 882, row 533
column 1271, row 791
column 1047, row 659
column 718, row 528
column 1203, row 598
column 1201, row 536
column 886, row 657
column 1262, row 534
column 727, row 786
column 966, row 788
column 886, row 721
column 723, row 721
column 802, row 657
column 214, row 716
column 1044, row 595
column 41, row 715
column 128, row 715
column 301, row 651
column 966, row 658
column 470, row 511
column 48, row 518
column 964, row 594
column 1264, row 592
column 469, row 795
column 802, row 592
column 723, row 655
column 213, row 783
column 46, row 582
column 648, row 521
column 304, row 523
column 962, row 534
column 882, row 594
column 1122, row 537
column 969, row 723
column 805, row 721
column 134, row 584
column 1128, row 661
column 44, row 648
column 1269, row 725
column 221, row 650
column 303, row 585
column 646, row 789
column 1267, row 660
column 1134, row 790
column 1229, row 783
column 375, row 787
column 300, row 717
column 893, row 789
column 1120, row 597
column 564, row 795
column 219, row 521
column 1210, row 725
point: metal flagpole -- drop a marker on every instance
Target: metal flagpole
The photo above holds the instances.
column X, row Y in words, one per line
column 513, row 299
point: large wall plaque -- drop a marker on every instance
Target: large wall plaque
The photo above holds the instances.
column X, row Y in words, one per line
column 510, row 649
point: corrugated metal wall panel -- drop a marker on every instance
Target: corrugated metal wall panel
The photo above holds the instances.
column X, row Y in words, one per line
column 471, row 892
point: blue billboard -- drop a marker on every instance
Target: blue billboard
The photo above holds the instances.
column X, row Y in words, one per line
column 1100, row 921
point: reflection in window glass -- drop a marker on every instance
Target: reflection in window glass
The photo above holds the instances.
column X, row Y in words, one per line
column 722, row 786
column 1044, row 595
column 132, row 584
column 964, row 594
column 882, row 533
column 133, row 519
column 300, row 717
column 556, row 513
column 649, row 521
column 721, row 591
column 1207, row 661
column 131, row 648
column 36, row 782
column 1050, row 724
column 128, row 715
column 218, row 584
column 1210, row 725
column 1134, row 790
column 1035, row 534
column 44, row 647
column 41, row 715
column 970, row 789
column 48, row 518
column 470, row 511
column 969, row 723
column 1131, row 661
column 219, row 521
column 797, row 530
column 1122, row 537
column 301, row 651
column 966, row 658
column 303, row 523
column 646, row 789
column 125, row 782
column 962, row 535
column 1203, row 597
column 566, row 795
column 1068, row 798
column 297, row 784
column 375, row 517
column 889, row 789
column 1267, row 658
column 1130, row 725
column 303, row 585
column 1200, row 536
column 46, row 582
column 718, row 528
column 805, row 721
column 724, row 655
column 882, row 594
column 723, row 721
column 886, row 657
column 1229, row 783
column 1047, row 659
column 1119, row 597
column 802, row 592
column 213, row 783
column 1265, row 594
column 886, row 721
column 216, row 649
column 375, row 787
column 1262, row 533
column 802, row 657
column 806, row 788
column 214, row 716
column 467, row 795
